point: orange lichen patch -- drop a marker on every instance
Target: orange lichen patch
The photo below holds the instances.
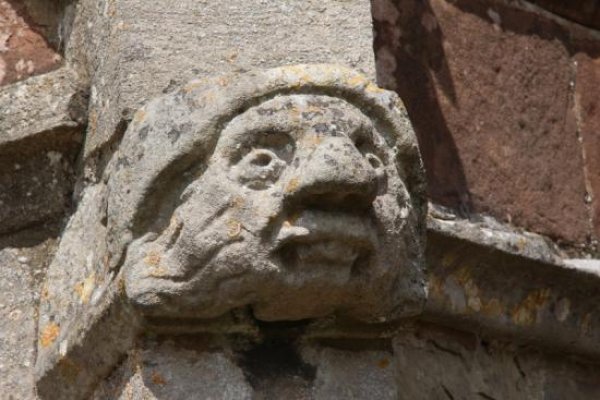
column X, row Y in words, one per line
column 492, row 308
column 207, row 96
column 521, row 243
column 383, row 363
column 222, row 81
column 526, row 312
column 93, row 122
column 139, row 116
column 84, row 289
column 291, row 220
column 44, row 295
column 234, row 228
column 158, row 271
column 152, row 258
column 357, row 80
column 158, row 379
column 312, row 140
column 79, row 289
column 193, row 85
column 292, row 185
column 49, row 334
column 237, row 202
column 299, row 71
column 232, row 57
column 371, row 88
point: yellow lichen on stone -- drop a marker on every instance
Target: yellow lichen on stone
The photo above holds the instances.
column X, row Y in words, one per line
column 84, row 289
column 312, row 140
column 158, row 271
column 525, row 313
column 152, row 258
column 357, row 80
column 237, row 202
column 292, row 185
column 234, row 228
column 371, row 88
column 49, row 334
column 139, row 116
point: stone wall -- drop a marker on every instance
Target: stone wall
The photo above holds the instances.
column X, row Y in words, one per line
column 503, row 97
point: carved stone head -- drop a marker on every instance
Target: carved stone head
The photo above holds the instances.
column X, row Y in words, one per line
column 296, row 192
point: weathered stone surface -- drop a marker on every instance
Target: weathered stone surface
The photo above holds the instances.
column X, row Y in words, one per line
column 489, row 88
column 41, row 129
column 165, row 371
column 306, row 171
column 23, row 50
column 509, row 285
column 587, row 108
column 36, row 182
column 359, row 374
column 23, row 259
column 293, row 193
column 446, row 364
column 51, row 104
column 84, row 326
column 204, row 368
column 129, row 62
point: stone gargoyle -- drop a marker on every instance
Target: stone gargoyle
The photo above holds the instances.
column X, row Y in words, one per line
column 293, row 193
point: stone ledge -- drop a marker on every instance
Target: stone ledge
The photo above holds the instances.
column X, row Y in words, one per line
column 45, row 103
column 41, row 131
column 493, row 280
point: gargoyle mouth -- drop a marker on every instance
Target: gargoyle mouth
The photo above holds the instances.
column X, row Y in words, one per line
column 326, row 237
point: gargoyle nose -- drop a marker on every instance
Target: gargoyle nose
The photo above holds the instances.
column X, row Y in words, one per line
column 335, row 175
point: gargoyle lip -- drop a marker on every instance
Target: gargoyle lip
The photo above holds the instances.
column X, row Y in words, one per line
column 313, row 226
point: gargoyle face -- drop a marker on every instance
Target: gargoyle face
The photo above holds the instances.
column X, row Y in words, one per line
column 300, row 213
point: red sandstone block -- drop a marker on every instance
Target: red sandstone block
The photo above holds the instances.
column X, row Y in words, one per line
column 23, row 51
column 489, row 90
column 587, row 95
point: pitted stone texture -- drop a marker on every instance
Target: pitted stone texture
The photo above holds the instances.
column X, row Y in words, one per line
column 50, row 103
column 163, row 371
column 22, row 263
column 41, row 131
column 297, row 191
column 83, row 326
column 353, row 374
column 447, row 364
column 129, row 62
column 230, row 169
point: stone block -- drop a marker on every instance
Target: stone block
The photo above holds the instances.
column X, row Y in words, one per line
column 24, row 52
column 286, row 194
column 489, row 88
column 23, row 259
column 166, row 371
column 446, row 364
column 136, row 49
column 41, row 128
column 587, row 103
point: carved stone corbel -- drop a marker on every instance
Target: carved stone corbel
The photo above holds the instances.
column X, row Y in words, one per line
column 291, row 193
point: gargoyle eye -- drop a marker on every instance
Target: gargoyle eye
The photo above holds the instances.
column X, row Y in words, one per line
column 259, row 169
